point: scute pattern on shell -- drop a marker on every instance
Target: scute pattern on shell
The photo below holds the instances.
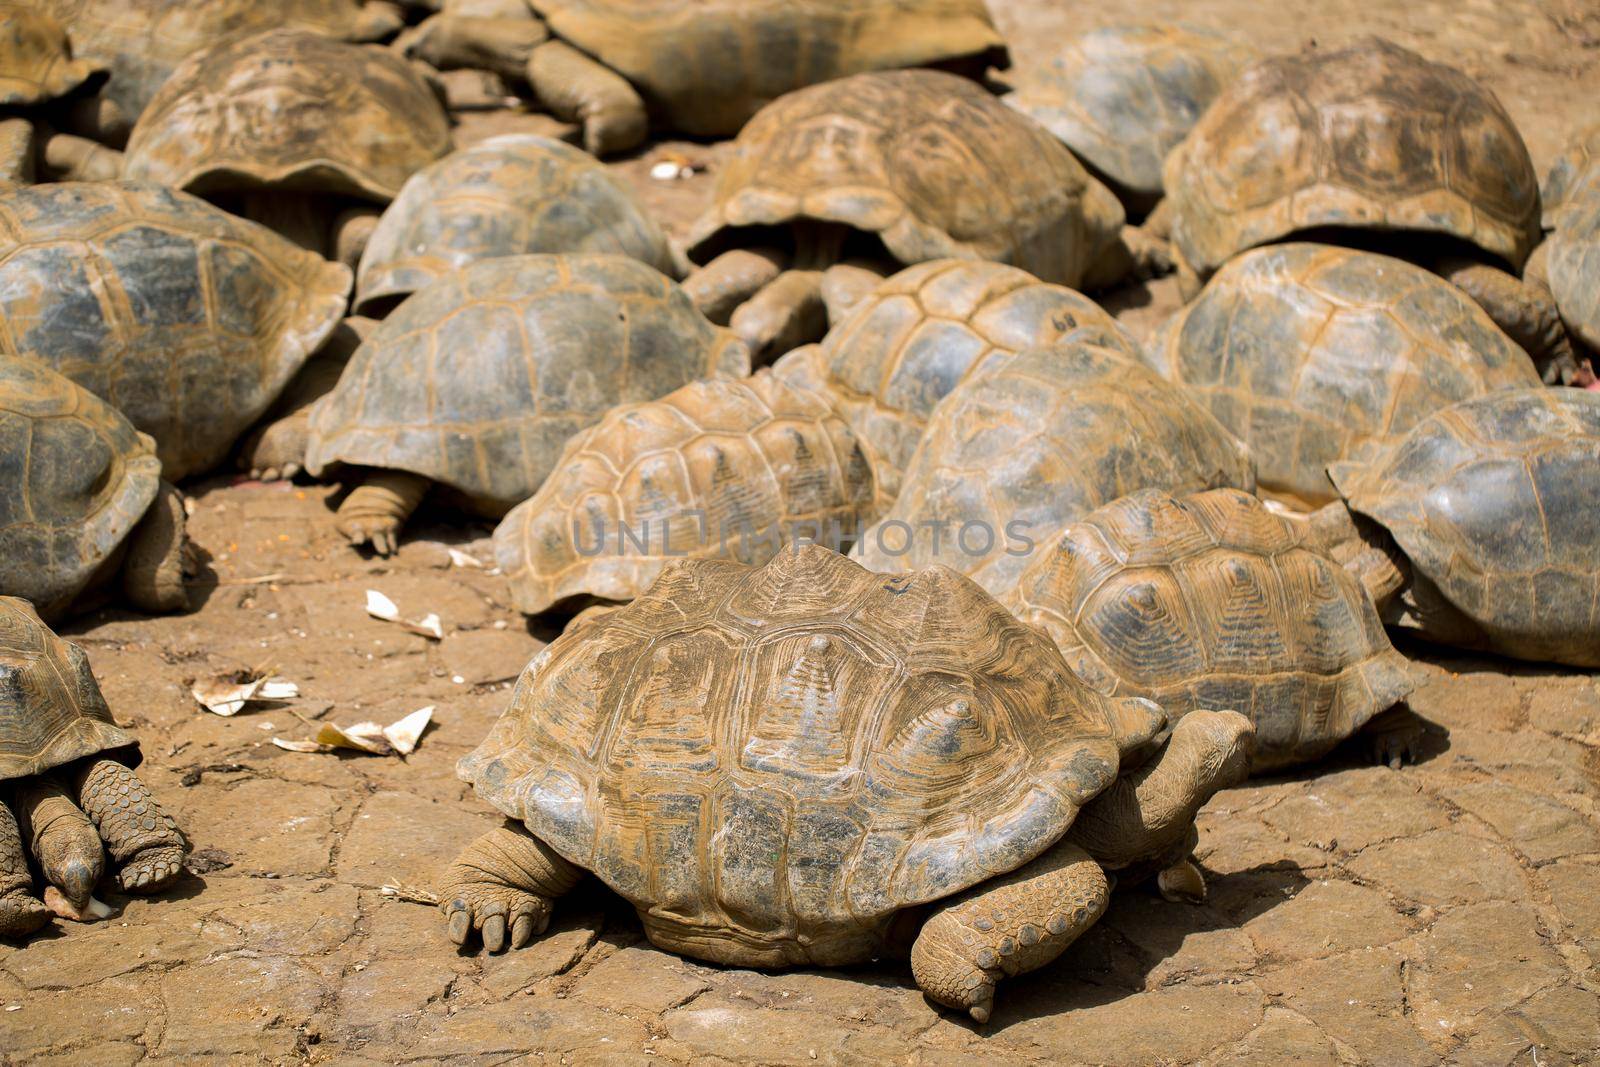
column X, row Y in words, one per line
column 1040, row 439
column 289, row 108
column 36, row 63
column 1210, row 601
column 186, row 319
column 1574, row 259
column 560, row 340
column 925, row 330
column 51, row 710
column 142, row 41
column 1493, row 502
column 715, row 470
column 779, row 758
column 1577, row 167
column 1368, row 136
column 1312, row 353
column 1122, row 97
column 507, row 196
column 928, row 162
column 75, row 478
column 706, row 66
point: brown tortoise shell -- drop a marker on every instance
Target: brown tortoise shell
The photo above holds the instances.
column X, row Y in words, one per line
column 1210, row 601
column 51, row 709
column 1040, row 439
column 705, row 66
column 478, row 381
column 36, row 61
column 1493, row 502
column 930, row 163
column 290, row 109
column 1370, row 136
column 1574, row 257
column 507, row 196
column 716, row 470
column 778, row 759
column 75, row 480
column 1311, row 353
column 186, row 319
column 925, row 330
column 141, row 42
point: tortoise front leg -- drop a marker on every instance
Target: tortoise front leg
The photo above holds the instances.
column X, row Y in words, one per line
column 577, row 89
column 378, row 508
column 63, row 840
column 719, row 288
column 159, row 556
column 506, row 880
column 1008, row 926
column 788, row 312
column 144, row 841
column 21, row 913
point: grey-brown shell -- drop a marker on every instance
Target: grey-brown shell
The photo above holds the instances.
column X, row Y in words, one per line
column 1577, row 166
column 1210, row 601
column 51, row 710
column 75, row 478
column 1123, row 97
column 478, row 381
column 782, row 757
column 36, row 63
column 925, row 330
column 705, row 66
column 1370, row 136
column 1573, row 265
column 186, row 319
column 1037, row 441
column 716, row 470
column 507, row 196
column 929, row 163
column 290, row 109
column 1493, row 502
column 1311, row 353
column 142, row 42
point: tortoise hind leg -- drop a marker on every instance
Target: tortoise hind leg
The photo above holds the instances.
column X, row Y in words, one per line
column 504, row 883
column 21, row 913
column 1007, row 926
column 377, row 509
column 577, row 89
column 159, row 557
column 62, row 840
column 143, row 840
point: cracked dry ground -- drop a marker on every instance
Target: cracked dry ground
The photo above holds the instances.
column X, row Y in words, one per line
column 1444, row 913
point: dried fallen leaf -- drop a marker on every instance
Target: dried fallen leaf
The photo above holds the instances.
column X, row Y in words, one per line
column 459, row 558
column 409, row 893
column 301, row 746
column 381, row 607
column 227, row 694
column 399, row 738
column 405, row 734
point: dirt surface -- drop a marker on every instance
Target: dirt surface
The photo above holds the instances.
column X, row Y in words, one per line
column 1444, row 913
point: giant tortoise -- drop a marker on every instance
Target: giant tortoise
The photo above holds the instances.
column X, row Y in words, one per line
column 68, row 769
column 476, row 382
column 809, row 764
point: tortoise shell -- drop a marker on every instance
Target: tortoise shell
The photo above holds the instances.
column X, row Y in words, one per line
column 705, row 66
column 504, row 197
column 928, row 328
column 186, row 319
column 1493, row 502
column 1309, row 353
column 780, row 758
column 718, row 469
column 1038, row 440
column 561, row 340
column 1123, row 97
column 1372, row 137
column 1210, row 601
column 1574, row 168
column 1574, row 259
column 928, row 163
column 293, row 110
column 36, row 63
column 51, row 709
column 75, row 480
column 142, row 42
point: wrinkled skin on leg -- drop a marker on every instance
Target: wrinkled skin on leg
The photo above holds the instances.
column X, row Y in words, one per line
column 503, row 886
column 1007, row 926
column 1394, row 737
column 1526, row 314
column 718, row 288
column 377, row 509
column 21, row 913
column 788, row 312
column 276, row 448
column 144, row 842
column 579, row 90
column 455, row 42
column 159, row 557
column 844, row 285
column 17, row 151
column 60, row 837
column 69, row 158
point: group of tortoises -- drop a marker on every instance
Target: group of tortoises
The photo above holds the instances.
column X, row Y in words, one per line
column 1094, row 578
